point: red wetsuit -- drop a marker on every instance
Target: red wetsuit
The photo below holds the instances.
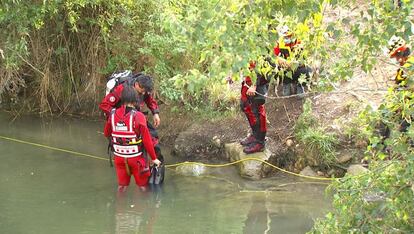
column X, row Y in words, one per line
column 126, row 127
column 253, row 106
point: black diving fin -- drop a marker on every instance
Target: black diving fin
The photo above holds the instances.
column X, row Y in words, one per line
column 157, row 173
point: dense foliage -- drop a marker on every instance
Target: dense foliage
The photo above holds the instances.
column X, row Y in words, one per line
column 381, row 200
column 220, row 37
column 55, row 55
column 63, row 50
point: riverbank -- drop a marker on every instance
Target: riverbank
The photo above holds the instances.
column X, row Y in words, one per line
column 336, row 112
column 201, row 136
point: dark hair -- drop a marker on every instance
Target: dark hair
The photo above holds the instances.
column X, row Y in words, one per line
column 144, row 81
column 129, row 95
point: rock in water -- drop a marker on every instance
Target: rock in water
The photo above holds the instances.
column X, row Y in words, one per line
column 191, row 169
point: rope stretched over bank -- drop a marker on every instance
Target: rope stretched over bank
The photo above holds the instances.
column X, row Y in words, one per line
column 305, row 94
column 170, row 165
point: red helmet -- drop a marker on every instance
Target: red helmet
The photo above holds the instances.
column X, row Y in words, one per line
column 396, row 45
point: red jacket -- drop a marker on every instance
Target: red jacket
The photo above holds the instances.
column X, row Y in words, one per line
column 139, row 125
column 113, row 98
column 285, row 50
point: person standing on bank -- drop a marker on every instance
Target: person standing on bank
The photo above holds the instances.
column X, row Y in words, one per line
column 288, row 51
column 252, row 100
column 401, row 52
column 127, row 129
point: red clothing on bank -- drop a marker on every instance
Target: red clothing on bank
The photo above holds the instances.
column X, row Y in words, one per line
column 255, row 112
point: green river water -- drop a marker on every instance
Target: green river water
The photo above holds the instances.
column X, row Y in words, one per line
column 48, row 191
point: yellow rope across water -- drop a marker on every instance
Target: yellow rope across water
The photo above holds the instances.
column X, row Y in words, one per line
column 53, row 148
column 171, row 165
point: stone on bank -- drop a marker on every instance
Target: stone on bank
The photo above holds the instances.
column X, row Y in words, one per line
column 250, row 169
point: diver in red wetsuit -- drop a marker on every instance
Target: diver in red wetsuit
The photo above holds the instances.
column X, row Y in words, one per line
column 127, row 129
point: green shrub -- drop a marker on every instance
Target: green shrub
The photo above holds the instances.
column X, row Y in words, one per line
column 319, row 144
column 380, row 201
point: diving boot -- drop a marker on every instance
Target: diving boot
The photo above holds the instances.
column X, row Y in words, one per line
column 248, row 140
column 256, row 147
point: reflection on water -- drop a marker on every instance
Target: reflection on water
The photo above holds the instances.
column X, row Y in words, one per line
column 258, row 216
column 47, row 191
column 137, row 211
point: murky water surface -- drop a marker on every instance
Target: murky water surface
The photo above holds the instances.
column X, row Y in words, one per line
column 48, row 191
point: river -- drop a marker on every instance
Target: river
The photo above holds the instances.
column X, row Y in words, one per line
column 47, row 190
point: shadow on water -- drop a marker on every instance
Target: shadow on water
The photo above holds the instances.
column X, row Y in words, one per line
column 48, row 191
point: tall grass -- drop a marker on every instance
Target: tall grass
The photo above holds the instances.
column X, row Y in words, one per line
column 319, row 144
column 57, row 55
